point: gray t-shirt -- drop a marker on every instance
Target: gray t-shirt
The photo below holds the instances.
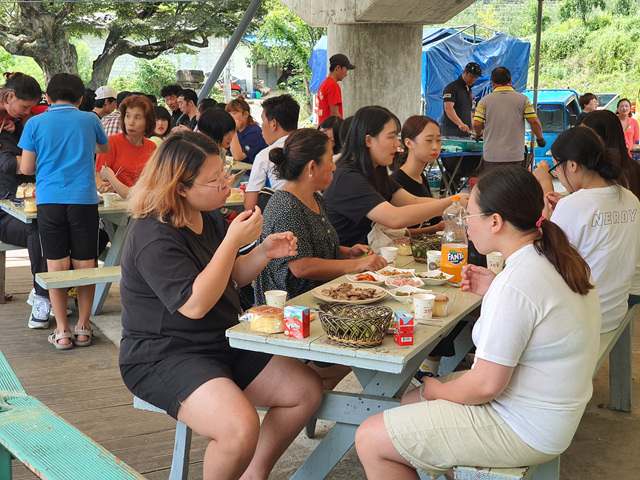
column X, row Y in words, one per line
column 503, row 113
column 316, row 238
column 159, row 265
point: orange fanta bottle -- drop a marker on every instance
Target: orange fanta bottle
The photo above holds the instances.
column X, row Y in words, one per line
column 454, row 241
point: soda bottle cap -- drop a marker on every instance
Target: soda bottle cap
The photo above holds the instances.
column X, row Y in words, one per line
column 455, row 198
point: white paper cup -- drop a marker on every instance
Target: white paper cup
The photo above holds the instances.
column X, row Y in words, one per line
column 423, row 304
column 389, row 254
column 109, row 199
column 434, row 259
column 276, row 298
column 495, row 262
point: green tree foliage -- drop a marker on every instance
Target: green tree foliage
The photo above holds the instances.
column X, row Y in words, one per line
column 43, row 31
column 285, row 41
column 580, row 8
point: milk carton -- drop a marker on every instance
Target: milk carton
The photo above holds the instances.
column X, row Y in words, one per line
column 403, row 328
column 296, row 321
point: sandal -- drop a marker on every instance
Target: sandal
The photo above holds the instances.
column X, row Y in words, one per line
column 85, row 332
column 54, row 338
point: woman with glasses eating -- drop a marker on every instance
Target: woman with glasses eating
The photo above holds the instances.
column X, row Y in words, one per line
column 536, row 348
column 179, row 270
column 599, row 216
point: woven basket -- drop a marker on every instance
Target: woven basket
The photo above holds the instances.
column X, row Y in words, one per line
column 421, row 244
column 355, row 325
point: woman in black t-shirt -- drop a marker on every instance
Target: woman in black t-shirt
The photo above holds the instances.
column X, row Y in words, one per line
column 422, row 143
column 362, row 192
column 178, row 297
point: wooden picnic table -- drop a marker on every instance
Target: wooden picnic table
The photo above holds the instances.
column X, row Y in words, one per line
column 117, row 223
column 383, row 371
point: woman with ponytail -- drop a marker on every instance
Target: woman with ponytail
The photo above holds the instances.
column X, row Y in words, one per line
column 422, row 143
column 599, row 217
column 536, row 348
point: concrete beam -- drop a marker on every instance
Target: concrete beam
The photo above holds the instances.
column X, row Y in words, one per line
column 319, row 13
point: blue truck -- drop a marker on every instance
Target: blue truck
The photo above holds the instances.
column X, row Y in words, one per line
column 558, row 110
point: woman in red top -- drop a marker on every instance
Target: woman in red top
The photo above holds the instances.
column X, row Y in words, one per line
column 629, row 125
column 130, row 150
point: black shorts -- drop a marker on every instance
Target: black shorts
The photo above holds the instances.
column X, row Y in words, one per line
column 167, row 383
column 68, row 230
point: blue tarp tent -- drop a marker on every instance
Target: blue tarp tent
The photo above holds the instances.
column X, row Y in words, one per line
column 445, row 52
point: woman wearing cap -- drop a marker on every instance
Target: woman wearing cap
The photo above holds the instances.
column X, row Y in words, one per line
column 536, row 348
column 248, row 141
column 130, row 150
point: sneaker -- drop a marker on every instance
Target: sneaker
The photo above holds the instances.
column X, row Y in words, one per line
column 420, row 375
column 32, row 295
column 40, row 313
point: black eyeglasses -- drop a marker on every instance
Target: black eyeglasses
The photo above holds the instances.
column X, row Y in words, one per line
column 552, row 170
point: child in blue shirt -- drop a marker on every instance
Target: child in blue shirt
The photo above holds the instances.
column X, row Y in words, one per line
column 59, row 147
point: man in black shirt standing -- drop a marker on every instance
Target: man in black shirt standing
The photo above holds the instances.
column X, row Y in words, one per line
column 458, row 103
column 457, row 117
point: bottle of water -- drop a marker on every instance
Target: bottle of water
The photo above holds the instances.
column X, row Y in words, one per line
column 454, row 241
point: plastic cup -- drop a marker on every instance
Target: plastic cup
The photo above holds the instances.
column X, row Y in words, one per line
column 495, row 262
column 434, row 259
column 109, row 199
column 276, row 298
column 423, row 304
column 389, row 254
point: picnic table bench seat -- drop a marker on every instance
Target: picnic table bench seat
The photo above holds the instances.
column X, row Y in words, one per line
column 45, row 443
column 616, row 345
column 79, row 278
column 4, row 247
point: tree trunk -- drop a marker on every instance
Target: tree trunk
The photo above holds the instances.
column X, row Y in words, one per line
column 103, row 64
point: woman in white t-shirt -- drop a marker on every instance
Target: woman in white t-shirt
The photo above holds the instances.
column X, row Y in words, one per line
column 599, row 216
column 536, row 347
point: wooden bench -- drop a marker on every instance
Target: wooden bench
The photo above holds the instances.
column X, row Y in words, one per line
column 4, row 247
column 78, row 278
column 617, row 346
column 48, row 445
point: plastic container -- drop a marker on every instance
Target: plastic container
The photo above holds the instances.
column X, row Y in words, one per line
column 454, row 241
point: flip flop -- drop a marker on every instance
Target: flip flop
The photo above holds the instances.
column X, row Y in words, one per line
column 82, row 331
column 8, row 296
column 55, row 337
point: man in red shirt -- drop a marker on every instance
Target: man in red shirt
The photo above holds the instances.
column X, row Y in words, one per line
column 329, row 98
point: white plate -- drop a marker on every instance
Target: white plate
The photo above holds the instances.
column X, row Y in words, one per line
column 406, row 289
column 418, row 282
column 397, row 272
column 317, row 292
column 378, row 281
column 427, row 277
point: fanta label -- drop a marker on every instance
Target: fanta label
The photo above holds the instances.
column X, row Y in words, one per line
column 454, row 257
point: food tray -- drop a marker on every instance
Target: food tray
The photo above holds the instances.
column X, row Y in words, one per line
column 355, row 325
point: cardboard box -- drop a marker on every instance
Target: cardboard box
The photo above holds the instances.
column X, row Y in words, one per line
column 296, row 321
column 403, row 338
column 403, row 321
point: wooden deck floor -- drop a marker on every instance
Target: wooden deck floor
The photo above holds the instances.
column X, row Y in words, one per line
column 83, row 385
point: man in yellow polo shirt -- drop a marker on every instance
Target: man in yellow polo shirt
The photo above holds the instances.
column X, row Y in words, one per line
column 502, row 114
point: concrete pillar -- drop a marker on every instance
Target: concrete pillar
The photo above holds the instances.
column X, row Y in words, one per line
column 388, row 65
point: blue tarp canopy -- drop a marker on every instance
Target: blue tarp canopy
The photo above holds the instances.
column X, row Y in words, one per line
column 445, row 52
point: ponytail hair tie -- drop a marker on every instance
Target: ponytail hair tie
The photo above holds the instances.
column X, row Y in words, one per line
column 539, row 222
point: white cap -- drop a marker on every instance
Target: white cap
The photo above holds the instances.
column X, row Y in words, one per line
column 105, row 92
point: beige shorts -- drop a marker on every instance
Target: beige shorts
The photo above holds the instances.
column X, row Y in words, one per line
column 437, row 435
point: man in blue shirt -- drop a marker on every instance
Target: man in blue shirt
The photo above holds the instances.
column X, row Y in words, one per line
column 59, row 146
